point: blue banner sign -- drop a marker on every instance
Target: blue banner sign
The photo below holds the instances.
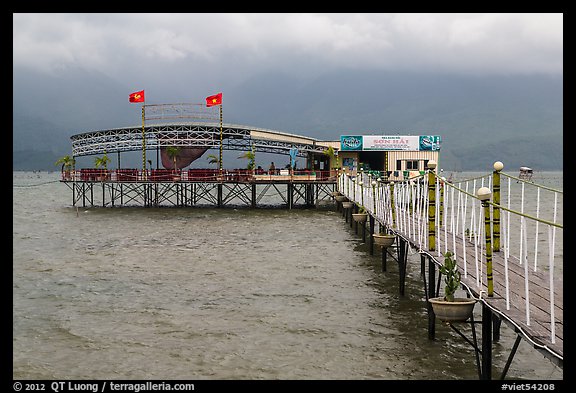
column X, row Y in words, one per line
column 350, row 142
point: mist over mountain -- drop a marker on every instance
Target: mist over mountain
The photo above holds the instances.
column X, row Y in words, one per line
column 514, row 119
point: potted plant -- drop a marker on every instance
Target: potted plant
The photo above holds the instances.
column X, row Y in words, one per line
column 67, row 166
column 102, row 162
column 449, row 308
column 173, row 152
column 383, row 239
column 347, row 204
column 361, row 216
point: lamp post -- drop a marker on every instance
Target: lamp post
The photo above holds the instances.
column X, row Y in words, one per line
column 484, row 194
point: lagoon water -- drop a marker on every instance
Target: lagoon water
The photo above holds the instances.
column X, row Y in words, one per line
column 206, row 293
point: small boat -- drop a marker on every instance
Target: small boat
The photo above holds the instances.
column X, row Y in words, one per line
column 525, row 173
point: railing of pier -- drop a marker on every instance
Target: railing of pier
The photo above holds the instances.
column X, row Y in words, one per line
column 192, row 175
column 438, row 216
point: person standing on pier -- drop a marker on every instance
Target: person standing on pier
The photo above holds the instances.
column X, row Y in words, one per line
column 272, row 168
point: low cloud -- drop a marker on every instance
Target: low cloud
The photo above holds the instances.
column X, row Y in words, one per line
column 122, row 44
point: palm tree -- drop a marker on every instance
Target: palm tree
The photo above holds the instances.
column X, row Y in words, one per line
column 68, row 163
column 331, row 153
column 334, row 161
column 212, row 159
column 173, row 152
column 102, row 162
column 251, row 157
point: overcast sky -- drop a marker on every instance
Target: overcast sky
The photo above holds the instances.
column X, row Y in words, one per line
column 235, row 46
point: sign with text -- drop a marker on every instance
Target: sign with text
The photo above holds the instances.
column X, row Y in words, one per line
column 389, row 142
column 350, row 142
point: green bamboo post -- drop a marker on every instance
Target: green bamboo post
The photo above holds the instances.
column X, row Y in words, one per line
column 392, row 204
column 361, row 184
column 441, row 185
column 378, row 184
column 431, row 206
column 498, row 166
column 484, row 194
column 374, row 196
column 354, row 190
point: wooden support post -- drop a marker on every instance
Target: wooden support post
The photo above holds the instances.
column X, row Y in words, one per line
column 422, row 265
column 496, row 322
column 219, row 194
column 253, row 199
column 384, row 258
column 350, row 211
column 371, row 241
column 402, row 262
column 431, row 294
column 486, row 342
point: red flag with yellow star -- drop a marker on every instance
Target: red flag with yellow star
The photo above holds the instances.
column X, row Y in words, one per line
column 137, row 96
column 214, row 100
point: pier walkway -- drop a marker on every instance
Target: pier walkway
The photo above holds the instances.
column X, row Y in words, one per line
column 508, row 247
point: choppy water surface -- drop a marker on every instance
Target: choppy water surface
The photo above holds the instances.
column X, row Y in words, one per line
column 203, row 293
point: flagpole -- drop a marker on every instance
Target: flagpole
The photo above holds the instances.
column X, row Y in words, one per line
column 143, row 145
column 221, row 147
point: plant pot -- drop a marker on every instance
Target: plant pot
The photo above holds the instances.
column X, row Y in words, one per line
column 176, row 177
column 360, row 217
column 457, row 311
column 384, row 240
column 347, row 205
column 341, row 198
column 335, row 193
